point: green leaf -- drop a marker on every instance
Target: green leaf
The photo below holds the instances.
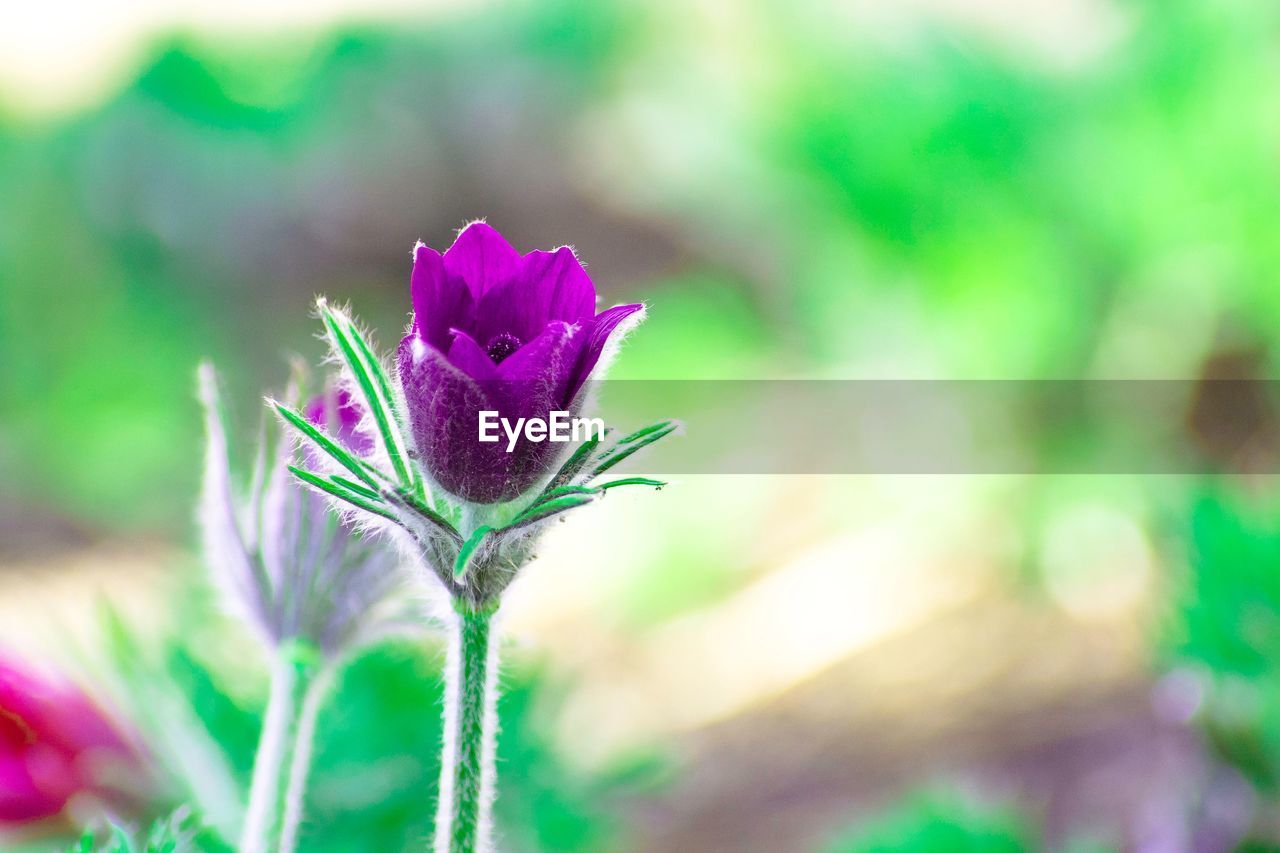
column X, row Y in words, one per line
column 328, row 445
column 353, row 486
column 561, row 491
column 546, row 509
column 632, row 443
column 120, row 840
column 411, row 503
column 342, row 493
column 374, row 387
column 117, row 841
column 384, row 387
column 559, row 484
column 184, row 832
column 631, row 481
column 574, row 464
column 468, row 549
column 84, row 844
column 643, row 431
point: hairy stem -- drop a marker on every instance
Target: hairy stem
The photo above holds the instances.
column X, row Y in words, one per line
column 300, row 767
column 466, row 768
column 298, row 684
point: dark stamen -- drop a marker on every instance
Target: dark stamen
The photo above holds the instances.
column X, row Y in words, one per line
column 502, row 345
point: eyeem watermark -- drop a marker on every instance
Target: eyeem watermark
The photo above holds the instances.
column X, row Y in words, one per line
column 558, row 427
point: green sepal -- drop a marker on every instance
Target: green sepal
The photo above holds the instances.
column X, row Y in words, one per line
column 546, row 509
column 184, row 832
column 468, row 549
column 328, row 445
column 573, row 464
column 84, row 844
column 417, row 507
column 631, row 481
column 629, row 445
column 375, row 388
column 551, row 494
column 561, row 491
column 643, row 431
column 341, row 493
column 353, row 486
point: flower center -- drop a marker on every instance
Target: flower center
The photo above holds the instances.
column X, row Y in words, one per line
column 502, row 345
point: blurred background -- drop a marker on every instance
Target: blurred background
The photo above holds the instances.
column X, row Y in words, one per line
column 924, row 189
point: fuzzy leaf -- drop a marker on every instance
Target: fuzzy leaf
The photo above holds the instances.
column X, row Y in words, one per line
column 468, row 549
column 328, row 445
column 551, row 494
column 547, row 509
column 411, row 504
column 629, row 445
column 631, row 481
column 342, row 493
column 643, row 431
column 573, row 465
column 374, row 386
column 353, row 486
column 228, row 547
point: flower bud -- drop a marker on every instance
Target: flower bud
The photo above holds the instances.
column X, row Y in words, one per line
column 494, row 330
column 286, row 563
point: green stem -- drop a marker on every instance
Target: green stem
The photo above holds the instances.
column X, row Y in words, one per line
column 298, row 684
column 300, row 768
column 466, row 771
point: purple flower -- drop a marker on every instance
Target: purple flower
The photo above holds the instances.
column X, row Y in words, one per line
column 337, row 412
column 54, row 744
column 500, row 331
column 285, row 564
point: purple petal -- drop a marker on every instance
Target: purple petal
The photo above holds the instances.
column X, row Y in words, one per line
column 339, row 413
column 550, row 286
column 444, row 405
column 440, row 301
column 596, row 335
column 536, row 378
column 497, row 331
column 482, row 258
column 545, row 353
column 469, row 357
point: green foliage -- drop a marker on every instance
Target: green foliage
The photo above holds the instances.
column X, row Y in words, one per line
column 939, row 824
column 930, row 203
column 179, row 832
column 937, row 202
column 376, row 764
column 376, row 768
column 1229, row 626
column 134, row 238
column 1231, row 612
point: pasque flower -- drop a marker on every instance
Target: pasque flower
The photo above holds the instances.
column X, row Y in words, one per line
column 55, row 743
column 500, row 331
column 288, row 565
column 311, row 585
column 493, row 331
